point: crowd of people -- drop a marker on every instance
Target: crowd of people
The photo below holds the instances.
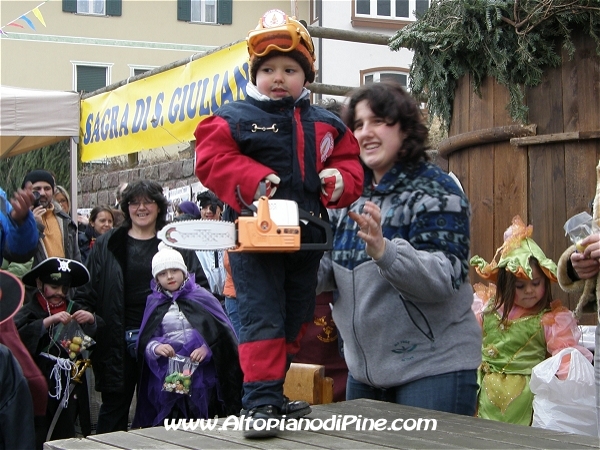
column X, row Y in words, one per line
column 202, row 333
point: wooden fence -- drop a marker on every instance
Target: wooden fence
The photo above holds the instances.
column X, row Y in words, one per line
column 544, row 171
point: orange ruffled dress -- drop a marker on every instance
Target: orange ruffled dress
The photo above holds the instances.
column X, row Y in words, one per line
column 509, row 353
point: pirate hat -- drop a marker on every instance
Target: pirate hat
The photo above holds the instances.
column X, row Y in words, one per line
column 11, row 295
column 58, row 271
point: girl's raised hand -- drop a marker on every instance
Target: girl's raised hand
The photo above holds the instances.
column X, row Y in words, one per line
column 369, row 222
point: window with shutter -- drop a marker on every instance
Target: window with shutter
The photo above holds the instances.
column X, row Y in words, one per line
column 225, row 12
column 184, row 10
column 90, row 78
column 367, row 12
column 205, row 11
column 93, row 7
column 138, row 71
column 376, row 75
column 69, row 6
column 113, row 7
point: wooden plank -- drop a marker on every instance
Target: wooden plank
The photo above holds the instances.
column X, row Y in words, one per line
column 458, row 163
column 578, row 76
column 76, row 444
column 481, row 175
column 452, row 431
column 580, row 188
column 305, row 382
column 460, row 107
column 468, row 426
column 481, row 136
column 190, row 439
column 588, row 80
column 555, row 137
column 133, row 441
column 469, row 432
column 327, row 390
column 546, row 190
column 510, row 173
column 287, row 439
column 380, row 439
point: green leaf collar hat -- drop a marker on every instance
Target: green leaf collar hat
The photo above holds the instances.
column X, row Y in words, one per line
column 514, row 255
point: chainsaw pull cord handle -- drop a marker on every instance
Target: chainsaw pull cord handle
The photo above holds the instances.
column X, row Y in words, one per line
column 249, row 209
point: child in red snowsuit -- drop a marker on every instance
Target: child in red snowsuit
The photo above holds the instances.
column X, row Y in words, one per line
column 302, row 153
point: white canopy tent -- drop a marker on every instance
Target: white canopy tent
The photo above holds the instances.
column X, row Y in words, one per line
column 33, row 118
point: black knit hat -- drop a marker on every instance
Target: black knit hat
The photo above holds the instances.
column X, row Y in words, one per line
column 38, row 175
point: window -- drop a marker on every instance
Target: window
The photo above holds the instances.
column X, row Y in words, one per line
column 315, row 10
column 205, row 11
column 395, row 9
column 89, row 78
column 93, row 7
column 138, row 71
column 387, row 13
column 376, row 75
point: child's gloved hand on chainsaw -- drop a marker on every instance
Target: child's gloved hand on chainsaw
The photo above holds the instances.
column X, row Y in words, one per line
column 332, row 184
column 271, row 182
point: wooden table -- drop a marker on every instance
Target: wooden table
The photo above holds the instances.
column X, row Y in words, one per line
column 452, row 431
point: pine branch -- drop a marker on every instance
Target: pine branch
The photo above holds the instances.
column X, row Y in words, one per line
column 512, row 41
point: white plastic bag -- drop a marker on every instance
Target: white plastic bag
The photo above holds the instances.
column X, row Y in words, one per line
column 567, row 405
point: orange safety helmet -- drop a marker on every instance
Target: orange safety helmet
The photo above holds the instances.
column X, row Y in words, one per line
column 277, row 31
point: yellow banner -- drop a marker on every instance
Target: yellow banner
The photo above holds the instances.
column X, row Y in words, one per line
column 163, row 109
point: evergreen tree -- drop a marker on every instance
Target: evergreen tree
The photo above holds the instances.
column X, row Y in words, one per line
column 512, row 41
column 54, row 158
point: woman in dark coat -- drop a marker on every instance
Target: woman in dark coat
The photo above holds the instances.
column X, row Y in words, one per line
column 120, row 266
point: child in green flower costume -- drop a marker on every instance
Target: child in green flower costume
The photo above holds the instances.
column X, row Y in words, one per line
column 521, row 325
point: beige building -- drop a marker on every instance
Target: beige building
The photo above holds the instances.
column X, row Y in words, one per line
column 87, row 44
column 84, row 45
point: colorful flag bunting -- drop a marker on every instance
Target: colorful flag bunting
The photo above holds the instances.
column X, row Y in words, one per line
column 38, row 14
column 28, row 22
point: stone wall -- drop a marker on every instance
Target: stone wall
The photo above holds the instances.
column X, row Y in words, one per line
column 99, row 188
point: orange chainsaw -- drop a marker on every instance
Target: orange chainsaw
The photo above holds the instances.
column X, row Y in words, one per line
column 267, row 225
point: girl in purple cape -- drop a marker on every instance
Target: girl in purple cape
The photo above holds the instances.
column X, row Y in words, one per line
column 182, row 318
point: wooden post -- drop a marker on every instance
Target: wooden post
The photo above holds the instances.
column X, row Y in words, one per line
column 132, row 159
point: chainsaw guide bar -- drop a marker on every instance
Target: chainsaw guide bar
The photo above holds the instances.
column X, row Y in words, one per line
column 199, row 234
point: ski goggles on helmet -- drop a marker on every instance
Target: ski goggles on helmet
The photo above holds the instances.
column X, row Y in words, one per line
column 277, row 31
